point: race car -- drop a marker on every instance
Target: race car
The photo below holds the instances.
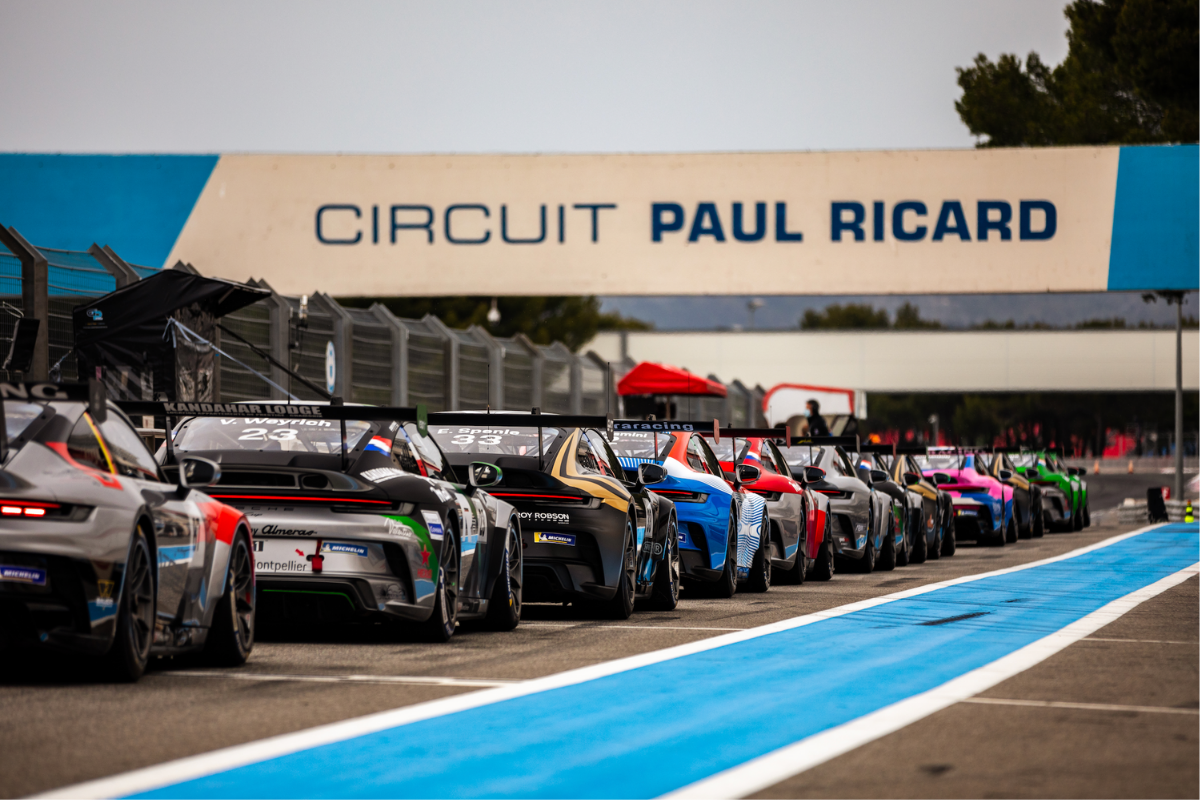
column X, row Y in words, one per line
column 591, row 536
column 1027, row 496
column 722, row 525
column 863, row 518
column 100, row 554
column 357, row 515
column 982, row 504
column 906, row 504
column 799, row 517
column 1064, row 490
column 936, row 519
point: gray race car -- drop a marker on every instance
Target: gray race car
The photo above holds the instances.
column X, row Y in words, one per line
column 358, row 515
column 99, row 553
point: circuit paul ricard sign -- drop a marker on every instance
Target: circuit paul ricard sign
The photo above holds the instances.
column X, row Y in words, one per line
column 989, row 220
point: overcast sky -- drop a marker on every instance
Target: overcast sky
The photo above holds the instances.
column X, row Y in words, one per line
column 522, row 77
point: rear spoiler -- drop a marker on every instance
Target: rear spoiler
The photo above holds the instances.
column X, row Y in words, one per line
column 878, row 449
column 93, row 393
column 826, row 441
column 534, row 420
column 711, row 428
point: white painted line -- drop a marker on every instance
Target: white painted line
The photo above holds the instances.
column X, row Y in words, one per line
column 1142, row 641
column 998, row 701
column 184, row 769
column 585, row 626
column 415, row 680
column 768, row 770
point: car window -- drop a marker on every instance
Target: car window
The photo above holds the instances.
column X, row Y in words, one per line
column 777, row 459
column 608, row 462
column 493, row 437
column 429, row 453
column 714, row 466
column 404, row 453
column 84, row 445
column 128, row 451
column 799, row 457
column 638, row 444
column 695, row 456
column 586, row 457
column 267, row 434
column 18, row 416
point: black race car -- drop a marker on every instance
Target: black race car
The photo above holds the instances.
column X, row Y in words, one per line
column 101, row 554
column 591, row 536
column 357, row 515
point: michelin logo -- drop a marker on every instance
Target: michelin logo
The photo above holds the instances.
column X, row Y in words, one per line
column 554, row 538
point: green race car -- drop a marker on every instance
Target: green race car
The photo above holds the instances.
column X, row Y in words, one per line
column 1064, row 489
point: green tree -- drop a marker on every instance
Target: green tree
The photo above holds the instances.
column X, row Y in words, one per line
column 908, row 317
column 854, row 316
column 570, row 320
column 1130, row 77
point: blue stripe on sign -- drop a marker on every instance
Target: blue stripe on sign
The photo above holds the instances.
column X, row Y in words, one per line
column 1156, row 219
column 657, row 728
column 137, row 204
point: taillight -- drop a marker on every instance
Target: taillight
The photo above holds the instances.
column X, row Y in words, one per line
column 679, row 496
column 35, row 509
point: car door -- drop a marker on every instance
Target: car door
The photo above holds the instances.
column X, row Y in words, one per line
column 184, row 545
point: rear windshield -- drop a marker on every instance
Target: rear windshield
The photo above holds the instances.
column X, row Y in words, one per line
column 799, row 457
column 495, row 439
column 631, row 444
column 269, row 435
column 724, row 449
column 939, row 462
column 17, row 417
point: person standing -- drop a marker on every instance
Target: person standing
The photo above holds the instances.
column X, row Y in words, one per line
column 816, row 423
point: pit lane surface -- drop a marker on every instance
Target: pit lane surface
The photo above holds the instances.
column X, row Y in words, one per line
column 59, row 730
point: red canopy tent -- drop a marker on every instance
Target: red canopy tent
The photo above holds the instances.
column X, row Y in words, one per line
column 663, row 379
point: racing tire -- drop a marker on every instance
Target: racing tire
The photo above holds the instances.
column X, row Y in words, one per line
column 796, row 573
column 949, row 540
column 1077, row 520
column 1011, row 532
column 823, row 568
column 1039, row 523
column 231, row 637
column 886, row 562
column 130, row 652
column 866, row 564
column 622, row 603
column 441, row 623
column 504, row 606
column 1087, row 516
column 726, row 586
column 1024, row 531
column 920, row 552
column 664, row 596
column 759, row 579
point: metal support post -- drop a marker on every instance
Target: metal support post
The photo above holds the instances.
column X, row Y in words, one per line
column 35, row 296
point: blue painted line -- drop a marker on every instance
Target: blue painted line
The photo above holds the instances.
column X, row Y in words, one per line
column 654, row 729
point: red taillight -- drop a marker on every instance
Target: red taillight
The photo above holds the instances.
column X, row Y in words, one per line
column 24, row 509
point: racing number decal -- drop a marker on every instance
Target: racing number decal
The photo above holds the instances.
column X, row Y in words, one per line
column 262, row 435
column 462, row 439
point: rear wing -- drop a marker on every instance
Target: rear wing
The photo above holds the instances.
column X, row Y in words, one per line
column 712, row 428
column 851, row 442
column 525, row 420
column 878, row 449
column 93, row 393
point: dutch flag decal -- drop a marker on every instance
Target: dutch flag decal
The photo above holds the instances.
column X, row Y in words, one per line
column 378, row 444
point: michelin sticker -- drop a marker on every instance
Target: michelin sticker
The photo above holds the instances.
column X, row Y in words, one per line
column 434, row 523
column 37, row 577
column 553, row 538
column 343, row 547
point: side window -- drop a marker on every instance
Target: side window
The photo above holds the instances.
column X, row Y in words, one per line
column 778, row 460
column 430, row 454
column 129, row 453
column 714, row 466
column 608, row 466
column 404, row 455
column 585, row 456
column 695, row 456
column 765, row 459
column 846, row 466
column 84, row 445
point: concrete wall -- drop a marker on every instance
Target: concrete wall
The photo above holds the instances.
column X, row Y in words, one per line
column 924, row 361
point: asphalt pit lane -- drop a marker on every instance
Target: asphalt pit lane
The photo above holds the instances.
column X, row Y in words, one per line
column 958, row 618
column 898, row 581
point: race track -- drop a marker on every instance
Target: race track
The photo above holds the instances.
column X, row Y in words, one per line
column 1049, row 676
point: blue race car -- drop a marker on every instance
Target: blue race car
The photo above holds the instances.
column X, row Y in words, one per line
column 722, row 526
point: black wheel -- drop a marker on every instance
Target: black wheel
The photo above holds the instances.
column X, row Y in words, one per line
column 887, row 554
column 1087, row 516
column 130, row 652
column 866, row 564
column 621, row 605
column 231, row 637
column 1024, row 531
column 760, row 567
column 504, row 606
column 949, row 540
column 1010, row 531
column 822, row 568
column 795, row 574
column 1038, row 519
column 727, row 585
column 1077, row 520
column 440, row 625
column 920, row 547
column 665, row 594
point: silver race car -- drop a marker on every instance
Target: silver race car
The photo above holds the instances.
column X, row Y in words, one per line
column 101, row 555
column 358, row 515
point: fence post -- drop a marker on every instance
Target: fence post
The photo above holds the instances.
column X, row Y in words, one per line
column 399, row 353
column 343, row 345
column 451, row 345
column 35, row 296
column 122, row 273
column 279, row 317
column 496, row 359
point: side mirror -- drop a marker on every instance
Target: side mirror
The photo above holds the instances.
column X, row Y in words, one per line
column 940, row 477
column 1005, row 475
column 650, row 474
column 481, row 475
column 198, row 473
column 911, row 479
column 747, row 474
column 813, row 475
column 879, row 476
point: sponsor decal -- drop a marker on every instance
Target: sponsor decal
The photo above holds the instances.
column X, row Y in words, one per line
column 397, row 528
column 104, row 595
column 293, row 411
column 344, row 547
column 30, row 575
column 546, row 516
column 966, row 512
column 434, row 523
column 264, row 565
column 553, row 538
column 378, row 444
column 275, row 530
column 95, row 315
column 382, row 474
column 653, row 426
column 683, row 538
